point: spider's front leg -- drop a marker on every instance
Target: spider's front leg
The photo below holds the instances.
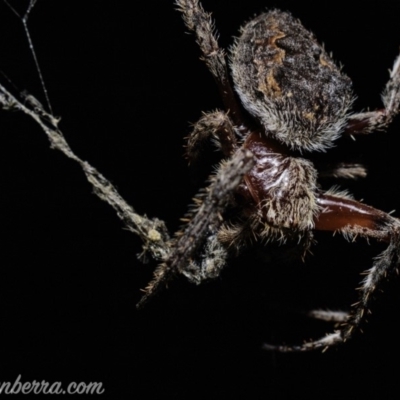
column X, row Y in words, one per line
column 351, row 218
column 203, row 223
column 218, row 127
column 368, row 122
column 200, row 22
column 212, row 261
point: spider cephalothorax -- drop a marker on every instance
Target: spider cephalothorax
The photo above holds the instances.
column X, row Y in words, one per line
column 293, row 100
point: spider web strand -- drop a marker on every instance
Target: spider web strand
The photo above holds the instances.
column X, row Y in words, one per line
column 24, row 20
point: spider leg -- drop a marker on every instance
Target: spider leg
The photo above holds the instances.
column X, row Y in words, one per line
column 368, row 122
column 329, row 315
column 213, row 260
column 219, row 127
column 200, row 22
column 352, row 219
column 344, row 171
column 207, row 218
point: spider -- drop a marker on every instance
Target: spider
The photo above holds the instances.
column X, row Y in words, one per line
column 284, row 100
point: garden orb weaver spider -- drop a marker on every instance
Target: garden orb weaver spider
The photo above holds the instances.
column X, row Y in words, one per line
column 288, row 99
column 238, row 208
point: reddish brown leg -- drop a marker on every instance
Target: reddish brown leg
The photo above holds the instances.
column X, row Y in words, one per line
column 352, row 218
column 368, row 122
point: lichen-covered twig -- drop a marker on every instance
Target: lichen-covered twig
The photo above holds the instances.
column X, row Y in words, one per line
column 152, row 232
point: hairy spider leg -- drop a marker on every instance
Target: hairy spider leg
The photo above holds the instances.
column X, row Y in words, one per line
column 367, row 122
column 201, row 23
column 215, row 125
column 352, row 218
column 208, row 216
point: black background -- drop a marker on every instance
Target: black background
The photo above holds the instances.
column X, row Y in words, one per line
column 126, row 80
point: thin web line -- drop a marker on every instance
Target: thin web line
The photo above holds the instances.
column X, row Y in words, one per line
column 24, row 20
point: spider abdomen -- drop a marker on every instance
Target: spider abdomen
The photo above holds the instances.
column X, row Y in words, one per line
column 289, row 83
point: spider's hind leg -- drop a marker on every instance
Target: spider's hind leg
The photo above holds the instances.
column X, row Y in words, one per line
column 353, row 219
